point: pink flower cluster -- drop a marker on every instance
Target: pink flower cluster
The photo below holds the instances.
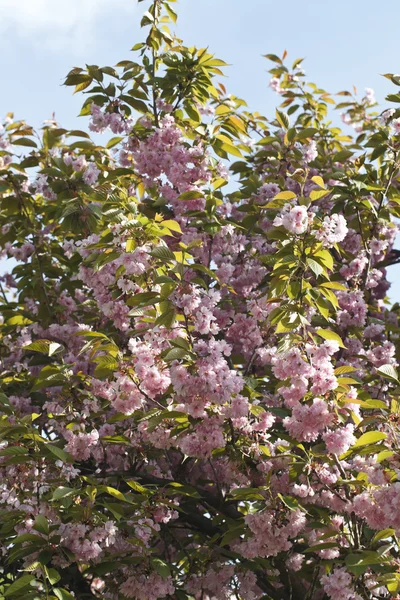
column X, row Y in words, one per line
column 80, row 445
column 165, row 161
column 353, row 309
column 338, row 585
column 147, row 587
column 339, row 440
column 294, row 219
column 334, row 230
column 100, row 121
column 268, row 537
column 379, row 506
column 214, row 383
column 313, row 366
column 207, row 436
column 87, row 544
column 307, row 422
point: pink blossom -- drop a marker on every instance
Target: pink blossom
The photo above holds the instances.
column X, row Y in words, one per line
column 294, row 220
column 307, row 422
column 339, row 441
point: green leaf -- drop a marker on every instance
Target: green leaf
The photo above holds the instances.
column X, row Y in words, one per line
column 204, row 269
column 273, row 57
column 175, row 354
column 14, row 451
column 282, row 119
column 342, row 155
column 191, row 195
column 378, row 151
column 60, row 453
column 144, row 299
column 393, row 98
column 315, row 267
column 215, row 62
column 41, row 524
column 323, row 307
column 44, row 347
column 289, row 502
column 138, row 46
column 136, row 104
column 113, row 492
column 318, row 180
column 324, row 257
column 192, row 112
column 52, row 575
column 327, row 334
column 318, row 194
column 306, row 133
column 247, row 494
column 371, row 437
column 18, row 585
column 369, row 403
column 231, row 534
column 106, row 365
column 77, row 133
column 389, row 372
column 164, row 253
column 172, row 14
column 344, row 369
column 166, row 318
column 172, row 225
column 383, row 535
column 160, row 567
column 24, row 142
column 82, row 144
column 137, row 486
column 18, row 320
column 62, row 492
column 285, row 196
column 364, row 558
column 333, row 285
column 321, row 546
column 231, row 149
column 49, row 376
column 82, row 86
column 114, row 141
column 29, row 537
column 63, row 594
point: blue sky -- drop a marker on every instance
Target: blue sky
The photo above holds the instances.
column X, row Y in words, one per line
column 344, row 43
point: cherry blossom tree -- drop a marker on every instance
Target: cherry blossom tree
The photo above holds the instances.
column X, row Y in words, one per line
column 199, row 396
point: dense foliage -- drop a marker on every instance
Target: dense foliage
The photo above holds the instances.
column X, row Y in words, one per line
column 199, row 396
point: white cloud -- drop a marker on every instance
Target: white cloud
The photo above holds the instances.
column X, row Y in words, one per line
column 60, row 24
